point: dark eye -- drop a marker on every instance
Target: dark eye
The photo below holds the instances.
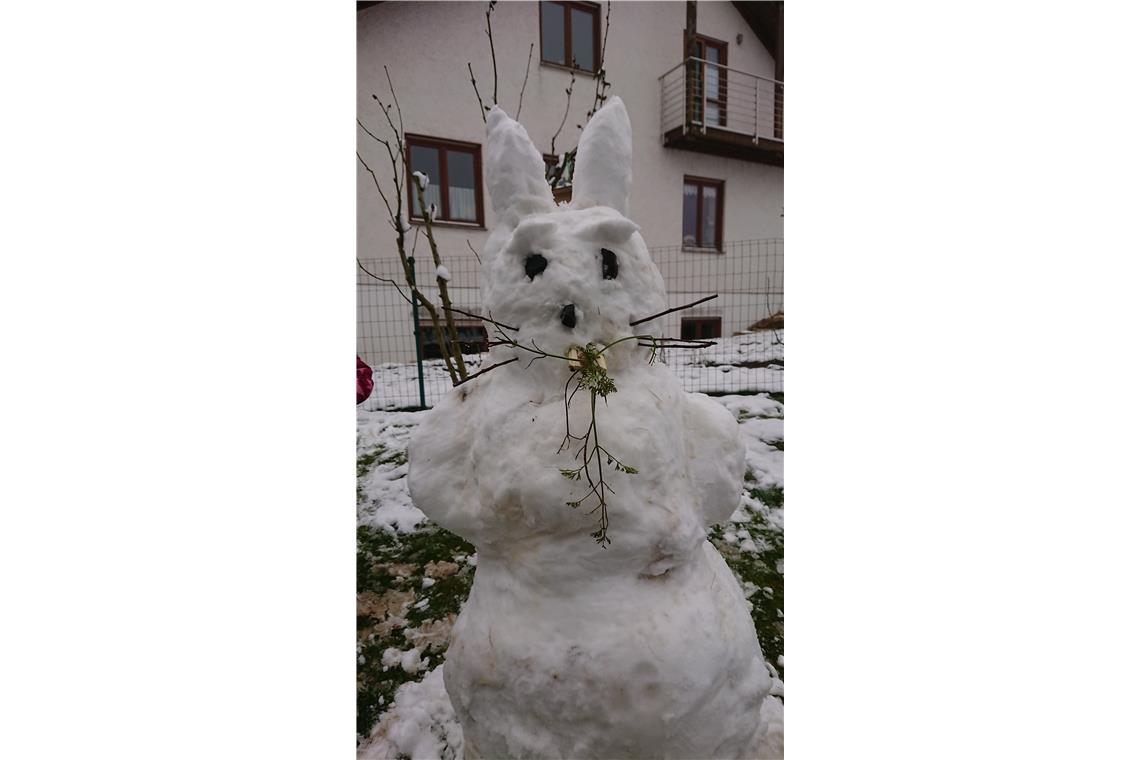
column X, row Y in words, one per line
column 535, row 264
column 609, row 264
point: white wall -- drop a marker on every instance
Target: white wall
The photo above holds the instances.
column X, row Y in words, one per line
column 426, row 47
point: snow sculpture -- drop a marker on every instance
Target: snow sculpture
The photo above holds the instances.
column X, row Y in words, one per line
column 643, row 648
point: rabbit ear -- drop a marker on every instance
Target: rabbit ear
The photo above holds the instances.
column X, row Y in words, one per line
column 603, row 169
column 516, row 179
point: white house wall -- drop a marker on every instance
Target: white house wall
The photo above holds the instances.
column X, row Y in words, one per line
column 426, row 47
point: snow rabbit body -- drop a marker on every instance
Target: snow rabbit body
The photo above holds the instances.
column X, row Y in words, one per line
column 642, row 649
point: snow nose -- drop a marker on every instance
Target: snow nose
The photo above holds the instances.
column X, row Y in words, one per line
column 568, row 317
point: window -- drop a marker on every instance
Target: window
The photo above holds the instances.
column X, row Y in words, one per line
column 703, row 213
column 710, row 82
column 472, row 337
column 700, row 328
column 559, row 184
column 569, row 33
column 454, row 171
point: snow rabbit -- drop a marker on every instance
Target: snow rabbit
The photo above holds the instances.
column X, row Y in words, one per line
column 642, row 648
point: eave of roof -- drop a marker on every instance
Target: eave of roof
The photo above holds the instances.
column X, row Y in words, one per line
column 766, row 19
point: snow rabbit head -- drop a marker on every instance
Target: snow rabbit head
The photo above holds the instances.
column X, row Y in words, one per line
column 567, row 274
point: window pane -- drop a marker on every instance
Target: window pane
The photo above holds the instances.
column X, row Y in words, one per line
column 712, row 75
column 709, row 217
column 687, row 329
column 689, row 213
column 461, row 185
column 425, row 160
column 582, row 38
column 553, row 33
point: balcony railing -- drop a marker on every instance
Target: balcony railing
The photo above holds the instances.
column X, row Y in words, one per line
column 710, row 107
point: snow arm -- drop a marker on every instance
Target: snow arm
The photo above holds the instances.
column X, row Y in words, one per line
column 441, row 465
column 715, row 451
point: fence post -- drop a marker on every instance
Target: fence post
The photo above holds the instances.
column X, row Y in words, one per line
column 416, row 329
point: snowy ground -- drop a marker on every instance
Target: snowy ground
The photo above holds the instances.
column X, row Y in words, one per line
column 746, row 363
column 413, row 577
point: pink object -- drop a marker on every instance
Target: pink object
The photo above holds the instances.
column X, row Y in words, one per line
column 363, row 380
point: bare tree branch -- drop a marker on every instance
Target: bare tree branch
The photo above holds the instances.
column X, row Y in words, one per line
column 480, row 372
column 396, row 100
column 374, row 137
column 398, row 160
column 444, row 297
column 600, row 83
column 482, row 108
column 385, row 279
column 494, row 66
column 485, row 319
column 375, row 182
column 569, row 92
column 525, row 77
column 474, row 252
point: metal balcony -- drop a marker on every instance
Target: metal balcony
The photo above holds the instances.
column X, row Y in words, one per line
column 711, row 108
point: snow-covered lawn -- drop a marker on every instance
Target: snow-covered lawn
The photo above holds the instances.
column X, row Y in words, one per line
column 413, row 577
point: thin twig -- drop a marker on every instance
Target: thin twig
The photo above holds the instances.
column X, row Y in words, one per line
column 482, row 108
column 488, row 369
column 600, row 83
column 396, row 174
column 384, row 279
column 569, row 92
column 397, row 100
column 676, row 308
column 374, row 137
column 673, row 342
column 494, row 66
column 375, row 182
column 527, row 76
column 474, row 252
column 476, row 316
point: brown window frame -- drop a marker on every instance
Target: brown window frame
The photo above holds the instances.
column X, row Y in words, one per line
column 565, row 192
column 703, row 43
column 697, row 327
column 701, row 182
column 595, row 10
column 443, row 145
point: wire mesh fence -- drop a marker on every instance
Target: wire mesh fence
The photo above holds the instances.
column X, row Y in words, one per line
column 745, row 321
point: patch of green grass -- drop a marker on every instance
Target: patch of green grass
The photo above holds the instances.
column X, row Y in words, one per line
column 778, row 444
column 379, row 455
column 761, row 570
column 773, row 496
column 387, row 562
column 777, row 396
